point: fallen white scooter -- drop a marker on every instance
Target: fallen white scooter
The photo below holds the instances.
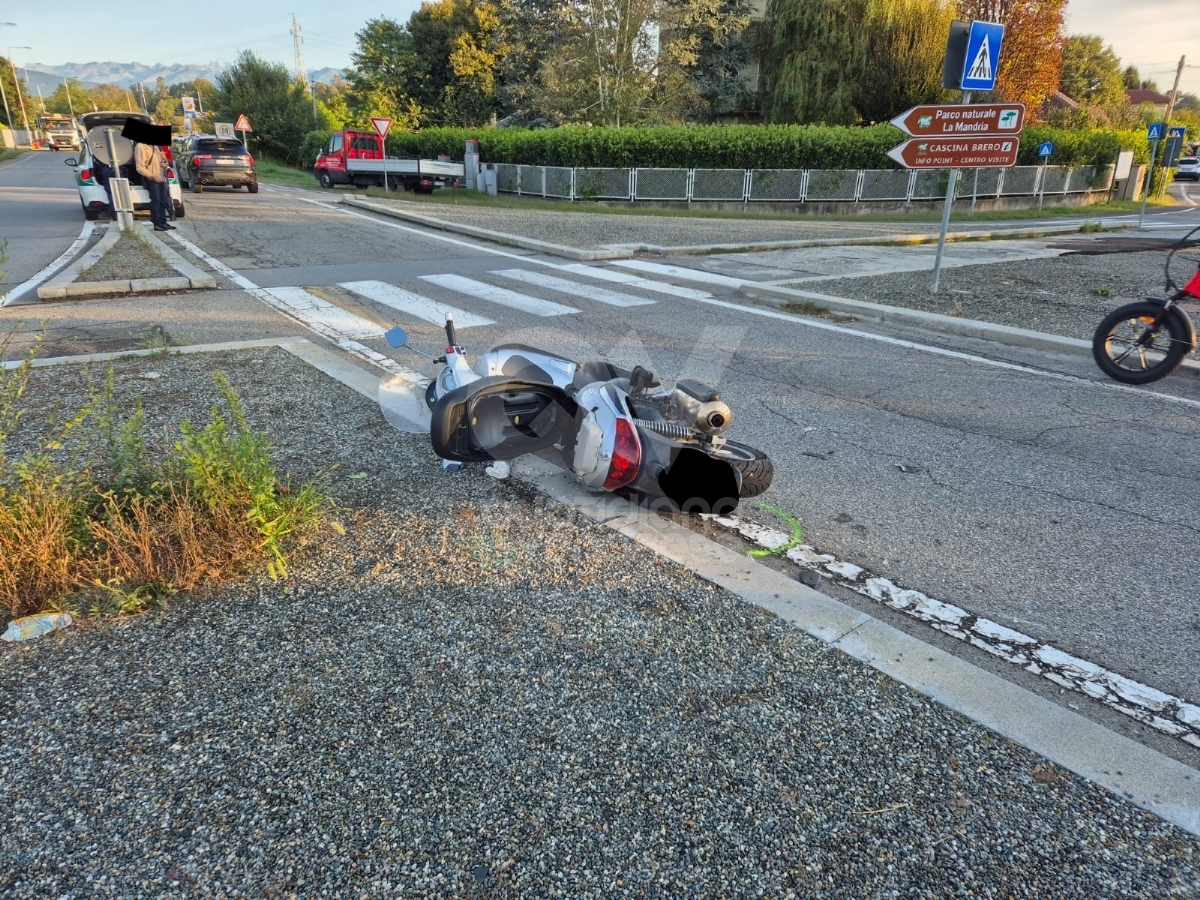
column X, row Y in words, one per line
column 614, row 432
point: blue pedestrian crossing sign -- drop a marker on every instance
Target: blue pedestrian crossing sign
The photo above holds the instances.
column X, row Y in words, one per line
column 983, row 56
column 1177, row 132
column 1155, row 132
column 1046, row 148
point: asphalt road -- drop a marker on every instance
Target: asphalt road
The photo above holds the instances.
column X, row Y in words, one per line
column 40, row 214
column 1064, row 509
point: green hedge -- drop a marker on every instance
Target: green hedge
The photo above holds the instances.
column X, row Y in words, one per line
column 733, row 146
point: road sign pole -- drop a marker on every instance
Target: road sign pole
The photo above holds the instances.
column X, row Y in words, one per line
column 937, row 260
column 1042, row 182
column 383, row 141
column 1148, row 183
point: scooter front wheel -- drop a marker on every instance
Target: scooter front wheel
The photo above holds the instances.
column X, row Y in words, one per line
column 756, row 467
column 431, row 395
column 1141, row 342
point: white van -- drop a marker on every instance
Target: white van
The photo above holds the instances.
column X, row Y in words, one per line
column 94, row 165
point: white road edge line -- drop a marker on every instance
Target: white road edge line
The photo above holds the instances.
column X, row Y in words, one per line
column 67, row 255
column 1163, row 712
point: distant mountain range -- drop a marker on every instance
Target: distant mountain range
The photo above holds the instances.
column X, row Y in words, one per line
column 129, row 74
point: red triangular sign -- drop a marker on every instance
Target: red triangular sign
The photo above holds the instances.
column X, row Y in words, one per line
column 382, row 125
column 243, row 124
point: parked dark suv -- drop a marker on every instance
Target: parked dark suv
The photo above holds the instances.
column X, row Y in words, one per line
column 207, row 159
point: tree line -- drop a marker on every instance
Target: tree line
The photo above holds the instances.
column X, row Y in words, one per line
column 534, row 63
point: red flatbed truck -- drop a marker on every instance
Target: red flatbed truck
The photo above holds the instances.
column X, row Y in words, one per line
column 356, row 157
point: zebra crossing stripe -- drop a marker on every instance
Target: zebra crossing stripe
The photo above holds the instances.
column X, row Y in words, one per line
column 680, row 272
column 644, row 284
column 586, row 291
column 322, row 316
column 415, row 305
column 503, row 296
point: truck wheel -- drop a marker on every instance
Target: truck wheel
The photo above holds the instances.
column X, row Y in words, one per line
column 197, row 187
column 252, row 187
column 323, row 177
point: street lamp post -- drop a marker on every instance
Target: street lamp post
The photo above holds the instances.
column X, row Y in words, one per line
column 3, row 93
column 20, row 99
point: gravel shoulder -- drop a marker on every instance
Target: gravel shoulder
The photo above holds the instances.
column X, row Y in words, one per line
column 1065, row 296
column 478, row 693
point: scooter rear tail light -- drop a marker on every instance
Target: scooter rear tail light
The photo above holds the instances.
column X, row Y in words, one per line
column 627, row 457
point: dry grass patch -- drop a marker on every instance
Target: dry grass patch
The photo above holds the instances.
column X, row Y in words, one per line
column 92, row 524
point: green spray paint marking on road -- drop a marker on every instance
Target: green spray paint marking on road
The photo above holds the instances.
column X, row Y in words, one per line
column 797, row 533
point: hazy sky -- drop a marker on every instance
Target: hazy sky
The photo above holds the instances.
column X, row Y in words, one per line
column 1150, row 34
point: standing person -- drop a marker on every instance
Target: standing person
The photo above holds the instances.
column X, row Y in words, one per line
column 152, row 166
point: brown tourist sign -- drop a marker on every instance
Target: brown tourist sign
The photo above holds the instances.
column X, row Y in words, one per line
column 957, row 153
column 963, row 120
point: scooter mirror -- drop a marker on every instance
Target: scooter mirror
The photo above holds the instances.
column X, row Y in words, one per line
column 396, row 336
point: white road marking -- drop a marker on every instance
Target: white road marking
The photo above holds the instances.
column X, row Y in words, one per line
column 415, row 305
column 323, row 316
column 635, row 281
column 679, row 272
column 48, row 271
column 503, row 296
column 309, row 314
column 574, row 288
column 1164, row 712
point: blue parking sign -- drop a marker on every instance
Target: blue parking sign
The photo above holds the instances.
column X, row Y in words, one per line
column 1046, row 149
column 983, row 56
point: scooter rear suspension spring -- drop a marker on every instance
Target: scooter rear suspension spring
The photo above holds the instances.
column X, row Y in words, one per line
column 666, row 428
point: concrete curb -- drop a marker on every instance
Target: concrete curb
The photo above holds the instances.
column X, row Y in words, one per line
column 197, row 278
column 895, row 240
column 625, row 251
column 778, row 297
column 66, row 285
column 1137, row 773
column 495, row 237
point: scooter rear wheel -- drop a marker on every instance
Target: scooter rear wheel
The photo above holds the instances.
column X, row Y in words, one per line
column 1130, row 348
column 756, row 467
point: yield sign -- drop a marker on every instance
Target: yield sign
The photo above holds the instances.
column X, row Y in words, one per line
column 243, row 124
column 382, row 125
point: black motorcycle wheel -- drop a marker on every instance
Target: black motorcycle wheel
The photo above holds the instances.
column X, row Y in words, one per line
column 754, row 465
column 1129, row 348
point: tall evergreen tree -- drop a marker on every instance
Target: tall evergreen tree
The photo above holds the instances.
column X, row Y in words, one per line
column 812, row 53
column 906, row 43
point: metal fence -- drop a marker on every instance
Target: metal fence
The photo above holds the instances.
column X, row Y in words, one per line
column 795, row 185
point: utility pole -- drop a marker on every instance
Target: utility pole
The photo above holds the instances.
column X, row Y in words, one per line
column 301, row 71
column 3, row 94
column 20, row 99
column 70, row 102
column 1175, row 90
